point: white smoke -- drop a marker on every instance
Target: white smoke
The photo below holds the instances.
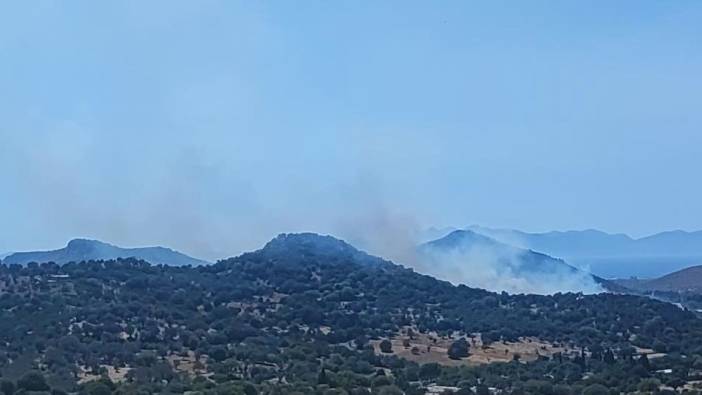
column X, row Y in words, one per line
column 397, row 236
column 503, row 269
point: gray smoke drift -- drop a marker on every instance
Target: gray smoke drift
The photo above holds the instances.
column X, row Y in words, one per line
column 483, row 264
column 74, row 182
column 505, row 269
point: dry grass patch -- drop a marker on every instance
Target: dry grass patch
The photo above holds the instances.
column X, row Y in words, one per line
column 115, row 374
column 429, row 347
column 188, row 363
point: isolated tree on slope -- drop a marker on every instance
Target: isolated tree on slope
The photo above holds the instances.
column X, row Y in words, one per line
column 386, row 346
column 459, row 349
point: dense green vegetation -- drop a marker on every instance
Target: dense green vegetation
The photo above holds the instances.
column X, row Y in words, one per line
column 298, row 316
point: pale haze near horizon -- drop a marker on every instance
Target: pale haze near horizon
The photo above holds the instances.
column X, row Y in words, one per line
column 210, row 127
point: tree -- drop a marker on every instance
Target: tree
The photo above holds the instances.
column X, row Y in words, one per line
column 97, row 388
column 386, row 346
column 482, row 389
column 595, row 389
column 649, row 385
column 459, row 349
column 429, row 371
column 390, row 390
column 643, row 360
column 7, row 387
column 32, row 381
column 322, row 377
column 608, row 356
column 219, row 354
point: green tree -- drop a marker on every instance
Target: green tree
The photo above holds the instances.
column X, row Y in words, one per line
column 595, row 389
column 649, row 385
column 249, row 389
column 429, row 371
column 459, row 349
column 322, row 377
column 386, row 346
column 390, row 390
column 643, row 360
column 33, row 381
column 96, row 388
column 7, row 387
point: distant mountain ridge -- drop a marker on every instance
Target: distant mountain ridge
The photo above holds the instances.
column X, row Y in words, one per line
column 506, row 264
column 610, row 255
column 596, row 242
column 466, row 240
column 78, row 250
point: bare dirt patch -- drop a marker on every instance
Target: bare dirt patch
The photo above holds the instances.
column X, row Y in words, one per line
column 115, row 374
column 429, row 347
column 188, row 363
column 649, row 353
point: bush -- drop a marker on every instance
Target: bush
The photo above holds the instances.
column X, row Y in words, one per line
column 386, row 346
column 33, row 381
column 458, row 349
column 596, row 389
column 7, row 387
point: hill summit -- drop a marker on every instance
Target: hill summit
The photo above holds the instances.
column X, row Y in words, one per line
column 465, row 256
column 297, row 247
column 78, row 250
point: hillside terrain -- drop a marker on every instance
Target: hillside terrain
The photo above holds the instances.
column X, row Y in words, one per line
column 78, row 250
column 310, row 314
column 686, row 280
column 683, row 287
column 610, row 255
column 509, row 268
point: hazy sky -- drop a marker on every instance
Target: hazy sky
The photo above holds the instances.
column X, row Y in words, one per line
column 211, row 126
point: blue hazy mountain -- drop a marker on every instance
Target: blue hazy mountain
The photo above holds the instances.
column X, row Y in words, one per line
column 484, row 262
column 79, row 250
column 610, row 255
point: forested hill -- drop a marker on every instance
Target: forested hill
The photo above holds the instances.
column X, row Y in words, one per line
column 84, row 250
column 506, row 261
column 688, row 280
column 308, row 314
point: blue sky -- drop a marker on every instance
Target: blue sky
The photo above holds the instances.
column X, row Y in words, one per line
column 211, row 126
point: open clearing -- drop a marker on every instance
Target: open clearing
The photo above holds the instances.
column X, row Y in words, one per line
column 429, row 347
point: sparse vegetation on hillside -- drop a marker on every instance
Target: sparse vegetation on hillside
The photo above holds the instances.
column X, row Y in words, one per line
column 302, row 315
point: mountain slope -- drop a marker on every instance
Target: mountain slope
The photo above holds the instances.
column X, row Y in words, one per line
column 610, row 255
column 303, row 313
column 482, row 261
column 685, row 280
column 78, row 250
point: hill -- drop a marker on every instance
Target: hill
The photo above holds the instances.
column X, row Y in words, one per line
column 309, row 314
column 490, row 264
column 610, row 255
column 78, row 250
column 686, row 280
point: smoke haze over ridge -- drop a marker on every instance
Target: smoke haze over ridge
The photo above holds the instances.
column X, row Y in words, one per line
column 212, row 128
